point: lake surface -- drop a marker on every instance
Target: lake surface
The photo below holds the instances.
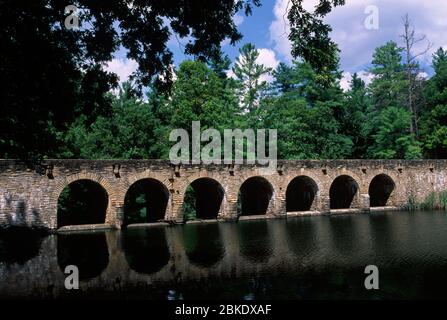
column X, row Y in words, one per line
column 322, row 257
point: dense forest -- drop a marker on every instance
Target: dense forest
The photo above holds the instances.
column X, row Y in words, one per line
column 59, row 102
column 314, row 121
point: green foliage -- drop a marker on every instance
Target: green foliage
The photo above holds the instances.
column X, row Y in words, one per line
column 200, row 95
column 303, row 132
column 55, row 75
column 435, row 201
column 310, row 38
column 434, row 118
column 248, row 73
column 412, row 204
column 354, row 117
column 72, row 109
column 189, row 205
column 130, row 132
column 392, row 139
column 389, row 85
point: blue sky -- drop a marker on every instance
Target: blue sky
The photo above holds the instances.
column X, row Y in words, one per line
column 267, row 29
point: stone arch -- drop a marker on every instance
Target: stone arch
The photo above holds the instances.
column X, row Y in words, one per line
column 257, row 196
column 208, row 197
column 301, row 193
column 189, row 179
column 101, row 181
column 307, row 173
column 380, row 190
column 344, row 192
column 163, row 178
column 146, row 200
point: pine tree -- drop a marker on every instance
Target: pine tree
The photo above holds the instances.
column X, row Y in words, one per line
column 249, row 74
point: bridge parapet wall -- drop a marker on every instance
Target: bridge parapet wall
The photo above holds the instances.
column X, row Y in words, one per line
column 29, row 192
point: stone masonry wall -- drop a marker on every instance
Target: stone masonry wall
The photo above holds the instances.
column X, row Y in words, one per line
column 29, row 192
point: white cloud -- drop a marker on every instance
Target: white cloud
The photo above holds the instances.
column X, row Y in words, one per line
column 422, row 75
column 356, row 42
column 230, row 74
column 122, row 67
column 238, row 19
column 345, row 82
column 279, row 30
column 267, row 57
column 225, row 42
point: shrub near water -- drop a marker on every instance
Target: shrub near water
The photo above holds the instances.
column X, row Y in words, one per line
column 435, row 201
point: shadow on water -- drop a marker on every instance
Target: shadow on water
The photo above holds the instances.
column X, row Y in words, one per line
column 203, row 244
column 87, row 251
column 19, row 244
column 301, row 236
column 146, row 249
column 254, row 240
column 303, row 258
column 343, row 232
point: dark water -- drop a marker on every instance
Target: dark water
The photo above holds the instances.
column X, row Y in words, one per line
column 302, row 258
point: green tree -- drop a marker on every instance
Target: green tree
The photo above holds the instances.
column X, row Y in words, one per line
column 310, row 38
column 199, row 94
column 388, row 87
column 434, row 118
column 303, row 132
column 56, row 74
column 388, row 124
column 248, row 72
column 356, row 108
column 130, row 132
column 393, row 138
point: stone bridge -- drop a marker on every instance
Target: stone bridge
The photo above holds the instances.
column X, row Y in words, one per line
column 29, row 193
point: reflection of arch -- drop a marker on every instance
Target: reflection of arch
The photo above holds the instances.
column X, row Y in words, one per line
column 146, row 249
column 82, row 202
column 254, row 239
column 206, row 197
column 203, row 244
column 342, row 192
column 380, row 190
column 255, row 196
column 146, row 200
column 300, row 194
column 301, row 236
column 87, row 251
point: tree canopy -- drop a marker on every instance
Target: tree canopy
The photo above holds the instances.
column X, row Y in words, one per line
column 59, row 100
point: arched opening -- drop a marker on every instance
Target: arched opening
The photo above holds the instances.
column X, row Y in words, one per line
column 254, row 196
column 146, row 249
column 203, row 199
column 300, row 194
column 145, row 201
column 203, row 244
column 380, row 190
column 87, row 251
column 82, row 202
column 342, row 192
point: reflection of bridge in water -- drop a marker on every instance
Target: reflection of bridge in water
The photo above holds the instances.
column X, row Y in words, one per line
column 29, row 194
column 113, row 260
